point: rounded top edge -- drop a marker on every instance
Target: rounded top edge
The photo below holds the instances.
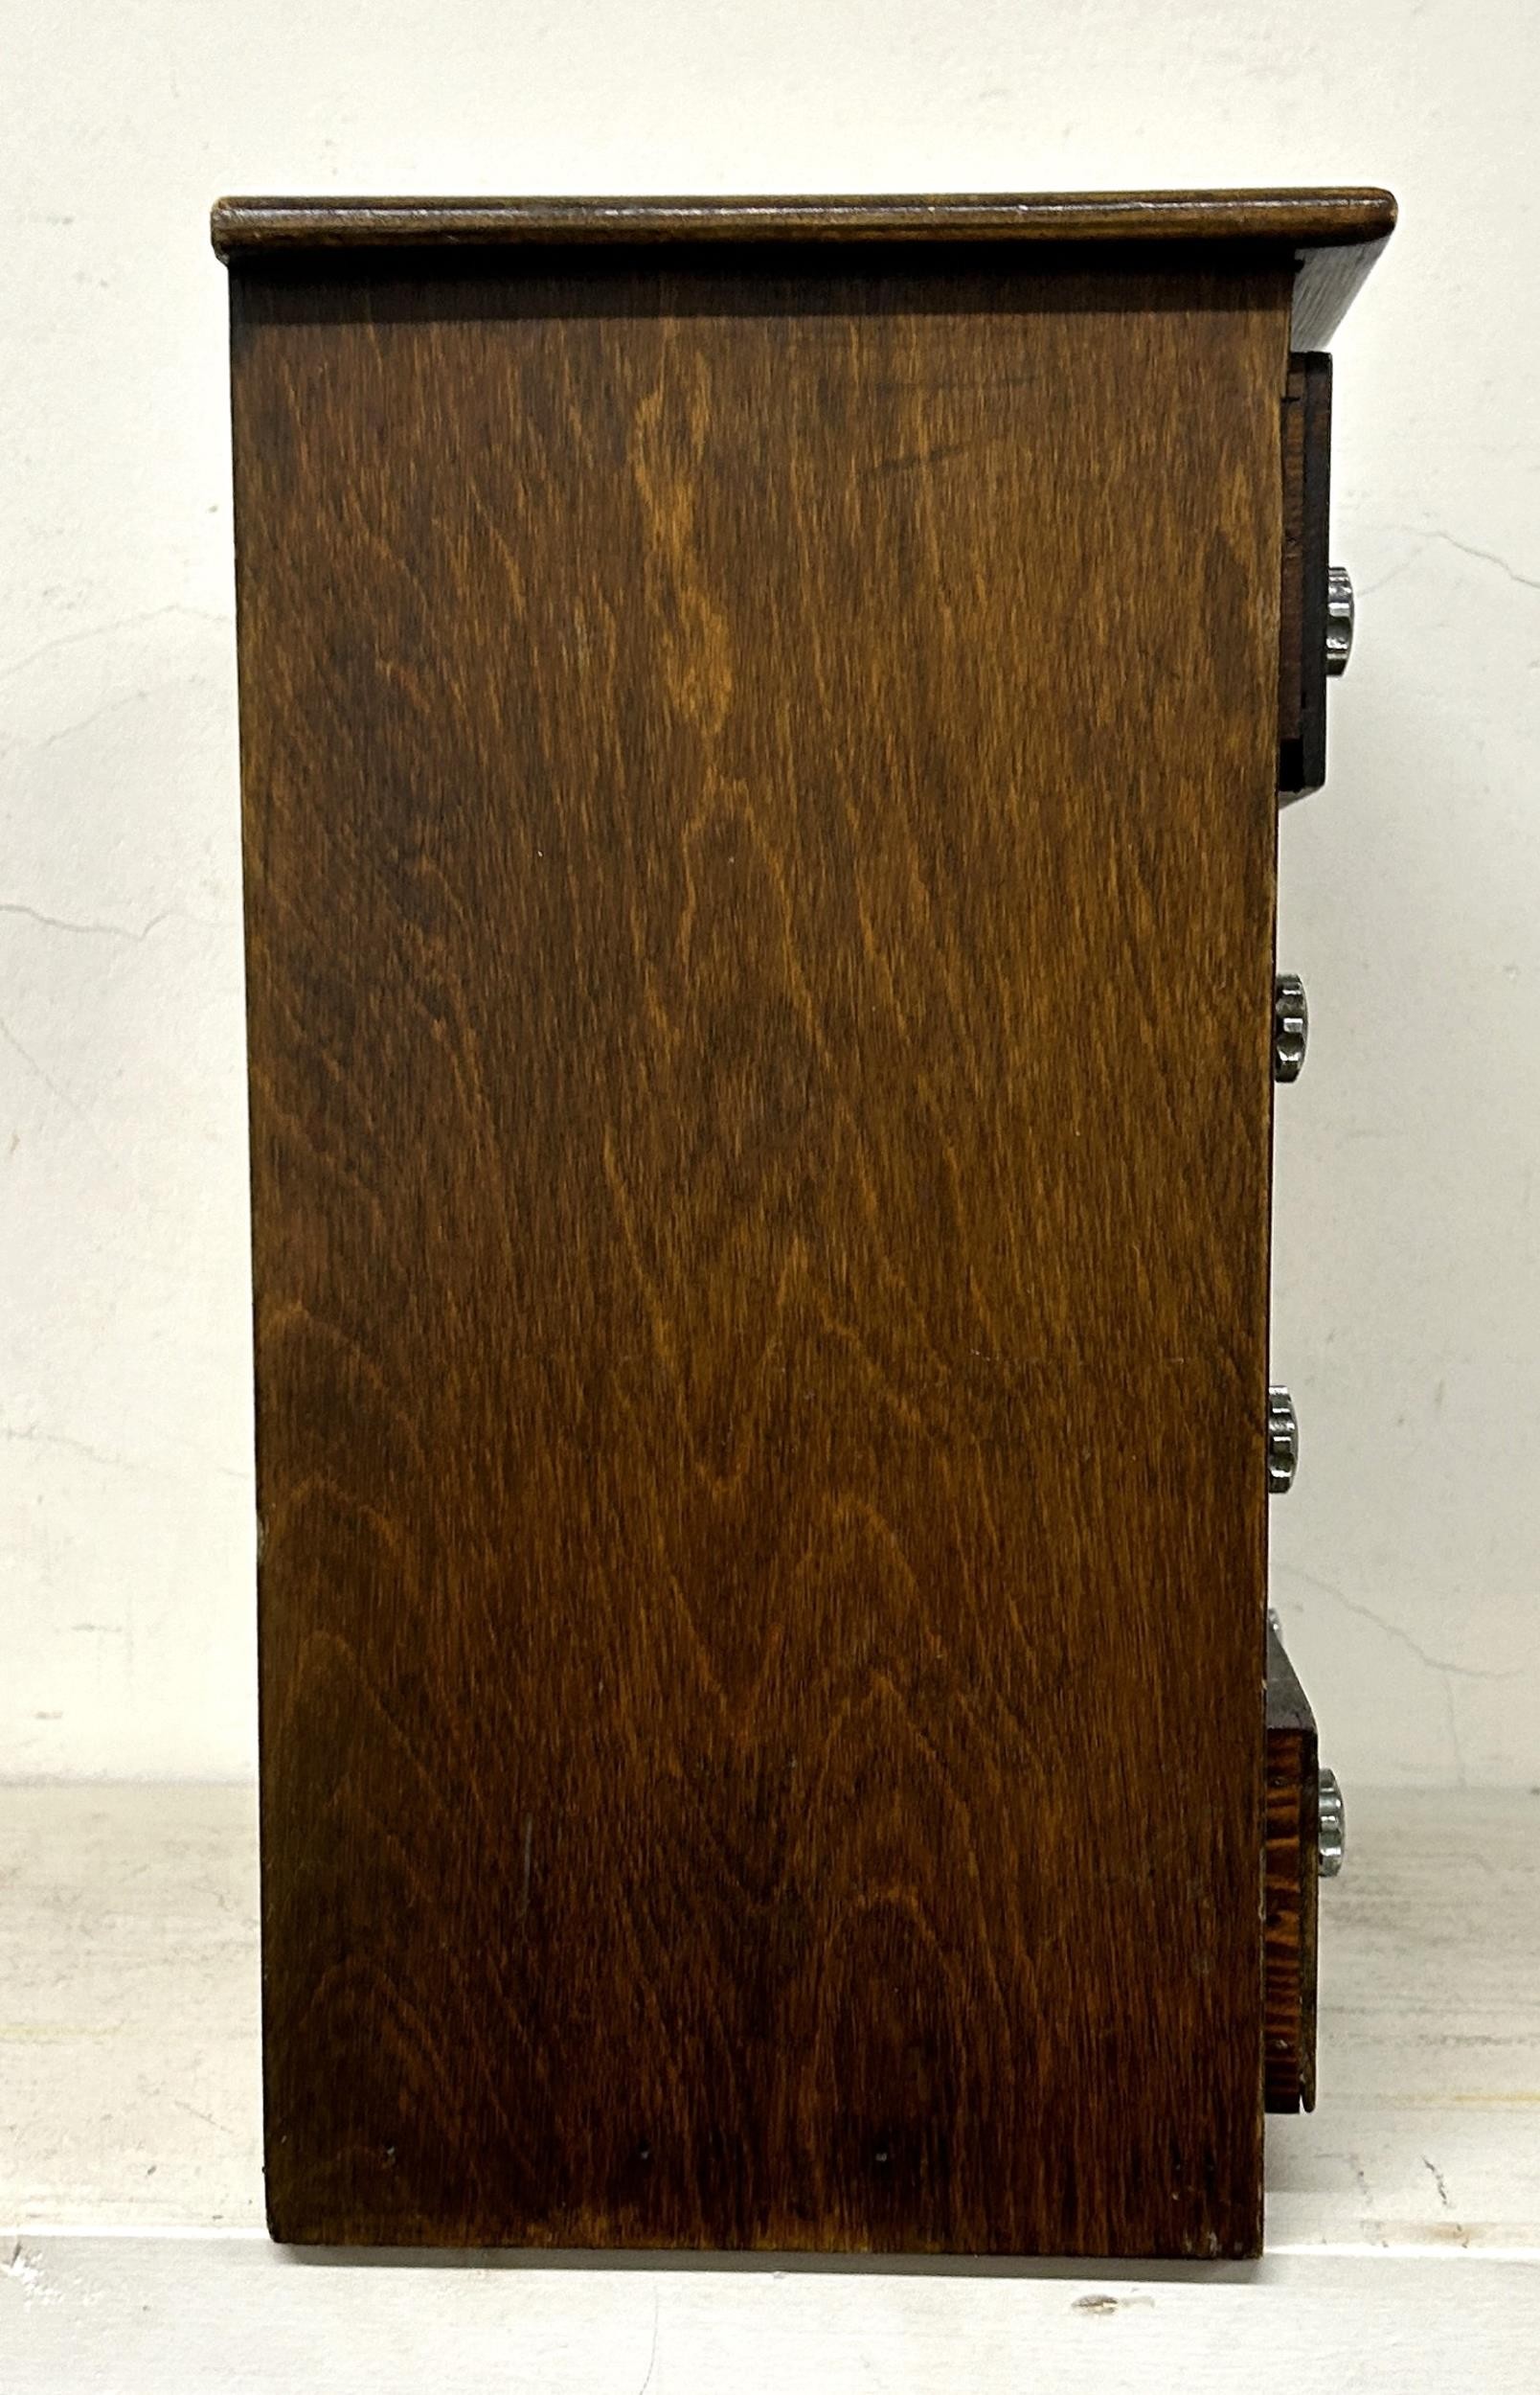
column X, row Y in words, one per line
column 1306, row 219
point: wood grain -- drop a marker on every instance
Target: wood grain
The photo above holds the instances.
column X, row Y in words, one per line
column 1330, row 237
column 132, row 1933
column 1293, row 1874
column 759, row 844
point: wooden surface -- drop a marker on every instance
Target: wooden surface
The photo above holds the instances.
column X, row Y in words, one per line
column 1306, row 219
column 759, row 880
column 1291, row 1883
column 1332, row 237
column 1403, row 2216
column 1301, row 676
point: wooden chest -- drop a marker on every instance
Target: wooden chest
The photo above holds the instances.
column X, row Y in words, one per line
column 762, row 728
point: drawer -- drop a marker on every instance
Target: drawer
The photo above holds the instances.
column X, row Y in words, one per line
column 1293, row 1872
column 1316, row 616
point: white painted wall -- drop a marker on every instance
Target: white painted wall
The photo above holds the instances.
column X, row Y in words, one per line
column 1407, row 1264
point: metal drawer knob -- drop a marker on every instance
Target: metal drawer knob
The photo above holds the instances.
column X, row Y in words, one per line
column 1331, row 1825
column 1291, row 1026
column 1283, row 1442
column 1339, row 619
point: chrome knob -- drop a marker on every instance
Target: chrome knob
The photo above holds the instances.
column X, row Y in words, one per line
column 1339, row 619
column 1283, row 1442
column 1331, row 1825
column 1291, row 1026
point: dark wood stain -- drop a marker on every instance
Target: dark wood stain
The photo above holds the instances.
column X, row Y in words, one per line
column 1293, row 1873
column 1302, row 680
column 759, row 837
column 1327, row 238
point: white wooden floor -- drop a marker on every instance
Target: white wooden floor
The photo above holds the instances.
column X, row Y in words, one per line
column 1403, row 2216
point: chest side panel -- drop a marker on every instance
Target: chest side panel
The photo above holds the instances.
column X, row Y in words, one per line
column 759, row 844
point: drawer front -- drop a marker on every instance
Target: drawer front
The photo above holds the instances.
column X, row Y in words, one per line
column 1293, row 1871
column 1304, row 620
